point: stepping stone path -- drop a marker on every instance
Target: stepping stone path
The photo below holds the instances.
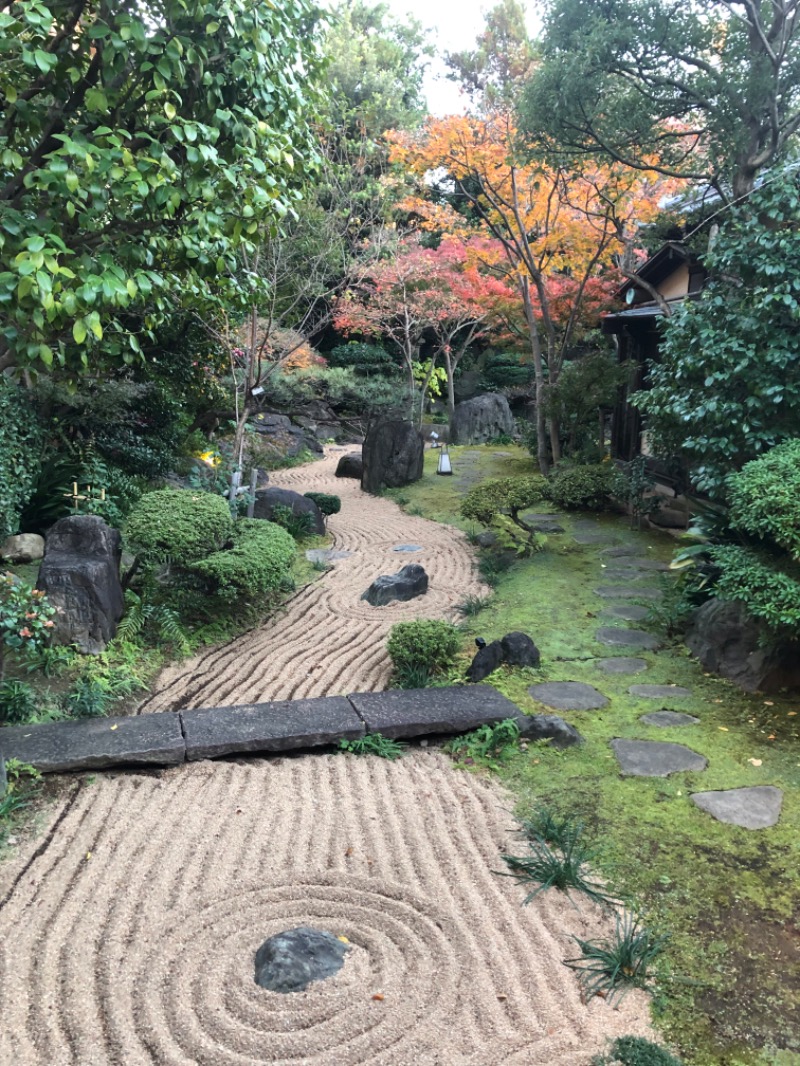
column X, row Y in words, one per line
column 568, row 695
column 591, row 538
column 622, row 665
column 757, row 807
column 614, row 574
column 628, row 612
column 637, row 563
column 668, row 719
column 627, row 592
column 618, row 551
column 654, row 758
column 659, row 692
column 618, row 637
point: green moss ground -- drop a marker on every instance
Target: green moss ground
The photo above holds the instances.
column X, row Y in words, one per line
column 729, row 988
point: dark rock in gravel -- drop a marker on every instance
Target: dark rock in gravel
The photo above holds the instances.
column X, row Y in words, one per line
column 519, row 650
column 406, row 584
column 729, row 642
column 568, row 695
column 350, row 466
column 549, row 727
column 486, row 661
column 289, row 962
column 80, row 576
column 655, row 758
column 756, row 807
column 481, row 419
column 393, row 455
column 268, row 499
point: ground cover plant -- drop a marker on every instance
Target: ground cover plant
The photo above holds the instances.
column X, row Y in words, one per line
column 374, row 744
column 727, row 991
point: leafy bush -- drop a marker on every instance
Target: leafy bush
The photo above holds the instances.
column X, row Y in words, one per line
column 635, row 1051
column 299, row 525
column 20, row 454
column 17, row 702
column 341, row 387
column 89, row 697
column 504, row 370
column 585, row 387
column 768, row 590
column 364, row 359
column 583, row 488
column 25, row 617
column 764, row 497
column 258, row 563
column 428, row 644
column 326, row 502
column 179, row 524
column 488, row 744
column 512, row 494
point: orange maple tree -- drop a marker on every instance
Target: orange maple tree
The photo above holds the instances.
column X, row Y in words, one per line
column 556, row 236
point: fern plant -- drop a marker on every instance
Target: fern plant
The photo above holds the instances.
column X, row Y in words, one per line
column 144, row 617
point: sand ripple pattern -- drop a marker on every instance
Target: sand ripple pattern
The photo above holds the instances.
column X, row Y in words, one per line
column 129, row 939
column 327, row 641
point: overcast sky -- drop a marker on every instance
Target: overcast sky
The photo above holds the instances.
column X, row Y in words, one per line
column 453, row 25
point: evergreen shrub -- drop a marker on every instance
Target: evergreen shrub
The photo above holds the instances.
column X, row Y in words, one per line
column 583, row 488
column 425, row 645
column 180, row 524
column 258, row 563
column 764, row 497
column 326, row 502
column 21, row 450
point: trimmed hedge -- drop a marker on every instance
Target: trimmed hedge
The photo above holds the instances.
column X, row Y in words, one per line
column 765, row 497
column 513, row 494
column 21, row 448
column 583, row 488
column 183, row 524
column 326, row 502
column 258, row 563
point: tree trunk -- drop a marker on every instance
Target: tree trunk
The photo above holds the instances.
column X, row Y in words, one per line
column 538, row 372
column 451, row 389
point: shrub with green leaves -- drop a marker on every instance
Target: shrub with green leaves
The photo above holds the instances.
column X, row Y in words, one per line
column 17, row 702
column 365, row 359
column 764, row 497
column 20, row 454
column 635, row 1051
column 512, row 494
column 298, row 525
column 258, row 563
column 327, row 503
column 26, row 617
column 424, row 645
column 768, row 590
column 583, row 488
column 180, row 524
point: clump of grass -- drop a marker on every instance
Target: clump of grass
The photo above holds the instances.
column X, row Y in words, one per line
column 487, row 745
column 565, row 867
column 611, row 967
column 472, row 605
column 545, row 826
column 413, row 675
column 635, row 1051
column 374, row 744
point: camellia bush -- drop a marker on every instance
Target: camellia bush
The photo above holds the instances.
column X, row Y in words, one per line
column 764, row 497
column 26, row 618
column 141, row 146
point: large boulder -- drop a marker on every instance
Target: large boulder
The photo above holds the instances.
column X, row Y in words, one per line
column 23, row 548
column 80, row 575
column 487, row 660
column 406, row 584
column 393, row 455
column 729, row 642
column 519, row 650
column 268, row 499
column 482, row 419
column 283, row 436
column 350, row 466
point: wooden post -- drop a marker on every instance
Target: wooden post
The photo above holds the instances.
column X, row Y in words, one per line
column 251, row 503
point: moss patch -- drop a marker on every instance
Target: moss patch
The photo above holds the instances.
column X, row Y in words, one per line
column 729, row 989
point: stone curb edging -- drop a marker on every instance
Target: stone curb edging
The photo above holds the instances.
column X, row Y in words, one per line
column 174, row 737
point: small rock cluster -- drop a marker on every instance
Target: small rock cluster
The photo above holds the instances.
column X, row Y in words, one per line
column 515, row 649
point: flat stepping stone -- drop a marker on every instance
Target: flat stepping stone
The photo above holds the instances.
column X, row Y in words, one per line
column 618, row 637
column 568, row 695
column 622, row 665
column 613, row 573
column 284, row 725
column 757, row 807
column 628, row 612
column 591, row 538
column 326, row 555
column 668, row 719
column 407, row 548
column 659, row 692
column 96, row 743
column 655, row 758
column 618, row 551
column 627, row 592
column 417, row 712
column 639, row 563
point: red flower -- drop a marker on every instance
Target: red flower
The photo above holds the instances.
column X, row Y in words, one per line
column 25, row 632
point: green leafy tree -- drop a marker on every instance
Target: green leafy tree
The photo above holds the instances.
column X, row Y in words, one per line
column 727, row 386
column 707, row 90
column 502, row 58
column 140, row 147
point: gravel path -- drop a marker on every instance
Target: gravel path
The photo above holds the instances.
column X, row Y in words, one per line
column 328, row 641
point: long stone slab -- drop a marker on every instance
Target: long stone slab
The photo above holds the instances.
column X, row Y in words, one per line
column 417, row 712
column 285, row 725
column 97, row 743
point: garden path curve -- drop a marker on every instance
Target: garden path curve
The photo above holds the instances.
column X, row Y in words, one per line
column 327, row 640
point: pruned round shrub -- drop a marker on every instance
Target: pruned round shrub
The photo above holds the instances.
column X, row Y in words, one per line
column 181, row 524
column 764, row 497
column 258, row 563
column 583, row 488
column 326, row 502
column 512, row 494
column 768, row 590
column 424, row 647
